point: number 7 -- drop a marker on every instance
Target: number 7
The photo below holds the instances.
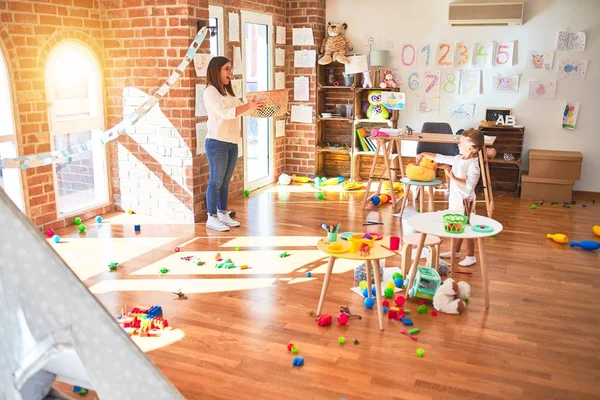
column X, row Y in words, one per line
column 434, row 81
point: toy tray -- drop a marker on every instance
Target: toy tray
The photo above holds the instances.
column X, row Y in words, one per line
column 375, row 235
column 346, row 235
column 482, row 228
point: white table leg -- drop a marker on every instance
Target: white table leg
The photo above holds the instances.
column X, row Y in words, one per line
column 415, row 265
column 378, row 300
column 325, row 284
column 484, row 272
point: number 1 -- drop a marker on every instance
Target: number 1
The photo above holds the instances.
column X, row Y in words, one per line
column 428, row 49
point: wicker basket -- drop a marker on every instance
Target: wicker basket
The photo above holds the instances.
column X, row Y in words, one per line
column 455, row 223
column 277, row 103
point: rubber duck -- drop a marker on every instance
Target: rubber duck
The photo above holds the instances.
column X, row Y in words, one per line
column 424, row 172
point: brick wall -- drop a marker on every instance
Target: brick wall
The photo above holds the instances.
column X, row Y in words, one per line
column 301, row 138
column 29, row 31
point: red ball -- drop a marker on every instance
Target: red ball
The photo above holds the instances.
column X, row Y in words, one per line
column 434, row 313
column 399, row 300
column 386, row 303
column 421, row 302
column 50, row 232
column 343, row 319
column 177, row 249
column 289, row 346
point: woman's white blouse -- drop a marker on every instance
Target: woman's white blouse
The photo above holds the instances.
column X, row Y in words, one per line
column 222, row 123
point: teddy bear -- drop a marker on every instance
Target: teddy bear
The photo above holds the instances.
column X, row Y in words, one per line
column 452, row 297
column 375, row 108
column 334, row 45
column 388, row 80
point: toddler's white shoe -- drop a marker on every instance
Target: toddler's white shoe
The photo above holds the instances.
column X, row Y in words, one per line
column 468, row 261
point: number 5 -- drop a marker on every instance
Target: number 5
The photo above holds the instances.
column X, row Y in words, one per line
column 502, row 52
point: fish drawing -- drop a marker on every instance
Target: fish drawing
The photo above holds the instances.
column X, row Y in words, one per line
column 570, row 68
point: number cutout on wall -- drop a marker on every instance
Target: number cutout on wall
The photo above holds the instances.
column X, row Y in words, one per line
column 445, row 55
column 408, row 55
column 431, row 82
column 451, row 82
column 483, row 53
column 425, row 55
column 470, row 82
column 461, row 55
column 413, row 81
column 504, row 55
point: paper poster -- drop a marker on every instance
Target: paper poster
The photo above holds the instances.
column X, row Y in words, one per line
column 445, row 55
column 356, row 65
column 408, row 55
column 200, row 137
column 462, row 58
column 482, row 55
column 393, row 100
column 302, row 114
column 279, row 57
column 431, row 82
column 201, row 63
column 505, row 84
column 424, row 57
column 451, row 82
column 234, row 27
column 279, row 80
column 542, row 90
column 280, row 37
column 236, row 84
column 301, row 89
column 238, row 65
column 280, row 128
column 504, row 55
column 305, row 58
column 570, row 115
column 539, row 60
column 302, row 37
column 429, row 105
column 570, row 41
column 461, row 111
column 572, row 69
column 470, row 82
column 200, row 106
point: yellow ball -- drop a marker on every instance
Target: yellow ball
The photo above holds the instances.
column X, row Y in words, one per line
column 390, row 285
column 362, row 285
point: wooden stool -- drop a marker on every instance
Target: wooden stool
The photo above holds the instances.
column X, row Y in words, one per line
column 421, row 185
column 431, row 242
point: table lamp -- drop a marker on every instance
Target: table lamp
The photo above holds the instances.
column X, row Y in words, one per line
column 378, row 58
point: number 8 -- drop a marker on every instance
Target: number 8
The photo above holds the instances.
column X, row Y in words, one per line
column 450, row 81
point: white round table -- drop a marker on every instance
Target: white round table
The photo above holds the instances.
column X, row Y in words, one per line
column 432, row 223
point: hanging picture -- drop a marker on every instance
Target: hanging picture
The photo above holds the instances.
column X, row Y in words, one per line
column 461, row 111
column 236, row 85
column 570, row 115
column 201, row 132
column 504, row 55
column 542, row 90
column 393, row 100
column 470, row 82
column 572, row 69
column 571, row 41
column 462, row 58
column 428, row 105
column 505, row 84
column 483, row 53
column 424, row 55
column 431, row 84
column 539, row 60
column 451, row 82
column 201, row 63
column 445, row 55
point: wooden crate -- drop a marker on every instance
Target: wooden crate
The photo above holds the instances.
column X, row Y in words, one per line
column 334, row 164
column 506, row 174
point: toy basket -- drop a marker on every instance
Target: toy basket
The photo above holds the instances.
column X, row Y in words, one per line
column 455, row 223
column 277, row 103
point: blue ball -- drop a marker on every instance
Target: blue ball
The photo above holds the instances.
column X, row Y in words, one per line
column 398, row 282
column 375, row 200
column 385, row 309
column 309, row 274
column 56, row 238
column 365, row 292
column 373, row 291
column 369, row 302
column 98, row 219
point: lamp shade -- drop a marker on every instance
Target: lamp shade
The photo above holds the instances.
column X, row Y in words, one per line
column 378, row 58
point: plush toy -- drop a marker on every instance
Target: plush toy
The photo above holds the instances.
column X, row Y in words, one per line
column 375, row 109
column 422, row 173
column 388, row 80
column 366, row 81
column 334, row 45
column 451, row 297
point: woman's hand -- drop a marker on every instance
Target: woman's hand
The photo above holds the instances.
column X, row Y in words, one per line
column 256, row 104
column 418, row 158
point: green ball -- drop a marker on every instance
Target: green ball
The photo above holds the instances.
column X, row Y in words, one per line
column 420, row 352
column 396, row 275
column 362, row 285
column 77, row 221
column 533, row 206
column 246, row 193
column 320, row 196
column 81, row 228
column 341, row 340
column 389, row 293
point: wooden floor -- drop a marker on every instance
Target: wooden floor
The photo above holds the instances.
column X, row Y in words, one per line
column 540, row 338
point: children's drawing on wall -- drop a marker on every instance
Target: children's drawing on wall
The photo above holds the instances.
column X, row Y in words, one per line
column 571, row 41
column 461, row 111
column 236, row 85
column 542, row 90
column 201, row 132
column 505, row 84
column 393, row 100
column 201, row 63
column 570, row 115
column 539, row 60
column 470, row 82
column 572, row 69
column 428, row 105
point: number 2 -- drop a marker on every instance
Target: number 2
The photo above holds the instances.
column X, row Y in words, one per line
column 434, row 81
column 428, row 49
column 442, row 59
column 500, row 52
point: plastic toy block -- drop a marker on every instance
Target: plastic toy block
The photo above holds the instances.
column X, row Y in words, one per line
column 294, row 349
column 112, row 266
column 298, row 361
column 406, row 311
column 434, row 313
column 289, row 346
column 414, row 331
column 407, row 321
column 422, row 309
column 324, row 320
column 341, row 340
column 137, row 228
column 356, row 341
column 393, row 313
column 164, row 270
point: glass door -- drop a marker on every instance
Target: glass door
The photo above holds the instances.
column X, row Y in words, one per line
column 258, row 75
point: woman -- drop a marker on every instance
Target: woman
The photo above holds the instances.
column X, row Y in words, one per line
column 223, row 109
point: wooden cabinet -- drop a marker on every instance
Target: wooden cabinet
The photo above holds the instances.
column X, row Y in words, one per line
column 506, row 173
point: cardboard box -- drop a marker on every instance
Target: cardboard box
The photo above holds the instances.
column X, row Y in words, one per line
column 536, row 189
column 552, row 164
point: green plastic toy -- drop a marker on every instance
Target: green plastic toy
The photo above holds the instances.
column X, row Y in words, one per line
column 420, row 352
column 389, row 293
column 77, row 221
column 113, row 266
column 284, row 254
column 81, row 228
column 422, row 309
column 413, row 331
column 294, row 349
column 341, row 340
column 226, row 264
column 164, row 270
column 320, row 196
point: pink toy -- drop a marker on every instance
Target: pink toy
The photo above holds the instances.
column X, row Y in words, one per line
column 385, row 303
column 289, row 346
column 376, row 132
column 343, row 319
column 404, row 332
column 324, row 320
column 50, row 232
column 434, row 312
column 399, row 300
column 388, row 80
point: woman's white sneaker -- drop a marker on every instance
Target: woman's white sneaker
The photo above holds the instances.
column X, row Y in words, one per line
column 216, row 224
column 227, row 220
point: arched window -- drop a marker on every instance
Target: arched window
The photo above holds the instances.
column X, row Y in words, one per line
column 10, row 179
column 76, row 116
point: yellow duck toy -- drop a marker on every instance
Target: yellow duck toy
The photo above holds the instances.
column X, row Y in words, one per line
column 424, row 172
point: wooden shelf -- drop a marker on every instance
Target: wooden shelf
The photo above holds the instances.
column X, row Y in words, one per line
column 502, row 161
column 349, row 120
column 335, row 87
column 376, row 88
column 341, row 151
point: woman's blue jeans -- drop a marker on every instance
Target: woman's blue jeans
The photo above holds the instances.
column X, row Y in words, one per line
column 222, row 157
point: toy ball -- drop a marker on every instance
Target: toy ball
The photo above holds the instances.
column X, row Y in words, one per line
column 50, row 232
column 246, row 193
column 98, row 219
column 398, row 282
column 341, row 340
column 390, row 285
column 385, row 309
column 365, row 292
column 385, row 303
column 389, row 293
column 384, row 198
column 77, row 221
column 533, row 206
column 399, row 300
column 129, row 211
column 362, row 284
column 56, row 238
column 420, row 352
column 81, row 228
column 343, row 319
column 375, row 200
column 396, row 275
column 373, row 291
column 309, row 274
column 369, row 302
column 320, row 196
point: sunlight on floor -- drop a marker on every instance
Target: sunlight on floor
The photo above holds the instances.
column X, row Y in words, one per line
column 147, row 344
column 188, row 286
column 274, row 241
